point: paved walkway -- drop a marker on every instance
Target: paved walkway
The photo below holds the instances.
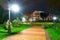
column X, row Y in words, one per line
column 33, row 33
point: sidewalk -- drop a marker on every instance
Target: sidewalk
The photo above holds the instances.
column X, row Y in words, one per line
column 33, row 33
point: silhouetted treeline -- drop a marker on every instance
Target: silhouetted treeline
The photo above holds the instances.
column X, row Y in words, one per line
column 3, row 15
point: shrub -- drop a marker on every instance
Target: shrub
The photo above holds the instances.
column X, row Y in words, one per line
column 58, row 26
column 16, row 22
column 6, row 24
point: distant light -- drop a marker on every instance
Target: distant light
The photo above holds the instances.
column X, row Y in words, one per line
column 54, row 18
column 15, row 7
column 23, row 19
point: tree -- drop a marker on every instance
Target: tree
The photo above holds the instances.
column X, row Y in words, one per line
column 44, row 15
column 54, row 3
column 16, row 22
column 3, row 15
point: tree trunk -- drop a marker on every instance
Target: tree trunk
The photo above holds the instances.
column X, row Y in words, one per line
column 9, row 29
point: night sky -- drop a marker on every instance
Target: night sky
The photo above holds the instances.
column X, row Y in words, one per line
column 30, row 5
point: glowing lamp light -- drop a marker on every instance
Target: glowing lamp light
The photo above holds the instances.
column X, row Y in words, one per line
column 15, row 7
column 23, row 19
column 54, row 18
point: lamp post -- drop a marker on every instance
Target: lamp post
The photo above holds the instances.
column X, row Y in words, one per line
column 9, row 29
column 54, row 21
column 14, row 8
column 54, row 18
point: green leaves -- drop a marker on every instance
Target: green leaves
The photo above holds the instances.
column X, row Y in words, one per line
column 3, row 14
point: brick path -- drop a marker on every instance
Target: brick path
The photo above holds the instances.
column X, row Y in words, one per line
column 33, row 33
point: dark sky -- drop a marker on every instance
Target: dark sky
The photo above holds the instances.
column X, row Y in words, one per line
column 32, row 5
column 29, row 5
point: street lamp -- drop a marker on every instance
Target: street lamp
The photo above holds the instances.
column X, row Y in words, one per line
column 23, row 19
column 54, row 18
column 14, row 8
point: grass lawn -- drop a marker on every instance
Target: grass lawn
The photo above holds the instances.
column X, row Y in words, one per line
column 53, row 33
column 3, row 32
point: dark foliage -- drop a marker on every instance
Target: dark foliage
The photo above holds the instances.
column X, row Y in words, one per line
column 3, row 15
column 44, row 15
